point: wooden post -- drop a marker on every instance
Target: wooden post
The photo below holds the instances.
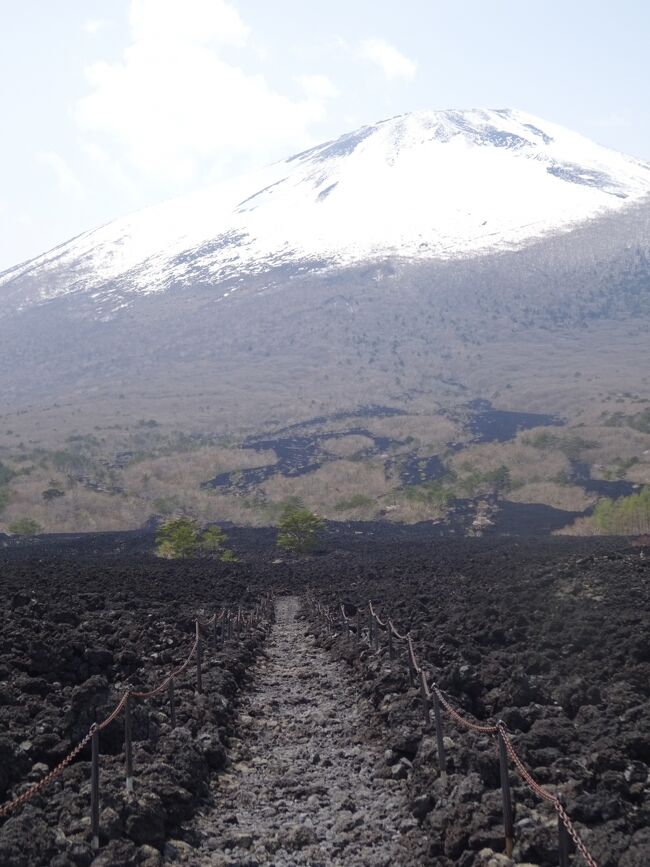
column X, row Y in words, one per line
column 442, row 758
column 128, row 745
column 409, row 657
column 172, row 704
column 505, row 790
column 564, row 841
column 214, row 630
column 370, row 618
column 94, row 790
column 389, row 627
column 199, row 679
column 425, row 700
column 376, row 629
column 357, row 634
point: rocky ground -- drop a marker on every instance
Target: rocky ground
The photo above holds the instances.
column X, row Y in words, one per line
column 307, row 782
column 321, row 753
column 74, row 636
column 556, row 646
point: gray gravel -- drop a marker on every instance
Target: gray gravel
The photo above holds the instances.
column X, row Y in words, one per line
column 308, row 782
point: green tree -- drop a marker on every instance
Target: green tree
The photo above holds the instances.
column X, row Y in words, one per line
column 25, row 527
column 299, row 529
column 4, row 499
column 183, row 537
column 625, row 516
column 213, row 541
column 178, row 538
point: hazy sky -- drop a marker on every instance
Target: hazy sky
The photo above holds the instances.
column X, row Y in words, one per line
column 110, row 105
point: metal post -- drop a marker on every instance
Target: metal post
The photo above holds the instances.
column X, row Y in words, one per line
column 425, row 700
column 505, row 790
column 128, row 745
column 94, row 789
column 172, row 704
column 442, row 758
column 564, row 841
column 199, row 680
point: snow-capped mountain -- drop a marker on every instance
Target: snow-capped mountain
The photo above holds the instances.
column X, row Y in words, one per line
column 431, row 185
column 431, row 252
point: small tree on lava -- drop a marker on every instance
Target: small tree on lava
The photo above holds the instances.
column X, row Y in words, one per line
column 299, row 529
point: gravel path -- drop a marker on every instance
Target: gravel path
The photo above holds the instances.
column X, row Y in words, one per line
column 302, row 787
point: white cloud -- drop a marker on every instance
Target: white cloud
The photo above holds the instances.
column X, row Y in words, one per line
column 319, row 86
column 392, row 62
column 174, row 102
column 67, row 181
column 93, row 25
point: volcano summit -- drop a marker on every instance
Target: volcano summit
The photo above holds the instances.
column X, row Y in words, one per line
column 423, row 249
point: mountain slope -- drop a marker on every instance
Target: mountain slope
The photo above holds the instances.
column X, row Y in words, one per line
column 424, row 186
column 482, row 253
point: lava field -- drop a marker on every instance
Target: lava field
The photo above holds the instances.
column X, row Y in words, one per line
column 552, row 636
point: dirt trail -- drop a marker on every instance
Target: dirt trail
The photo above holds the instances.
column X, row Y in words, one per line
column 302, row 787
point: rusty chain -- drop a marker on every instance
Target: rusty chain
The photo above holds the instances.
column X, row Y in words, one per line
column 11, row 806
column 498, row 729
column 545, row 795
column 162, row 686
column 461, row 720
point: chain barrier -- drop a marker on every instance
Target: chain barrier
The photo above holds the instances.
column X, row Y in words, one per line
column 224, row 616
column 12, row 806
column 499, row 730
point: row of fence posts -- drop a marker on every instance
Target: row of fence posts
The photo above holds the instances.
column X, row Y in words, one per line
column 232, row 627
column 430, row 700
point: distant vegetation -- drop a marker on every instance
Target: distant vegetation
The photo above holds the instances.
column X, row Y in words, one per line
column 183, row 537
column 25, row 527
column 639, row 421
column 571, row 446
column 626, row 516
column 356, row 501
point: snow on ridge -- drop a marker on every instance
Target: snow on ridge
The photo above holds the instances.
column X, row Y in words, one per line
column 422, row 185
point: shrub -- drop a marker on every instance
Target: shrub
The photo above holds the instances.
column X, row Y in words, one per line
column 50, row 494
column 573, row 446
column 25, row 527
column 625, row 516
column 542, row 440
column 356, row 501
column 299, row 529
column 182, row 537
column 434, row 493
column 476, row 482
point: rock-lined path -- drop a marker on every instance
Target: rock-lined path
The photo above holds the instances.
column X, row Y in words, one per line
column 303, row 785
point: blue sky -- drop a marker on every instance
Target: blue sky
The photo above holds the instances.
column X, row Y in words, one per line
column 110, row 106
